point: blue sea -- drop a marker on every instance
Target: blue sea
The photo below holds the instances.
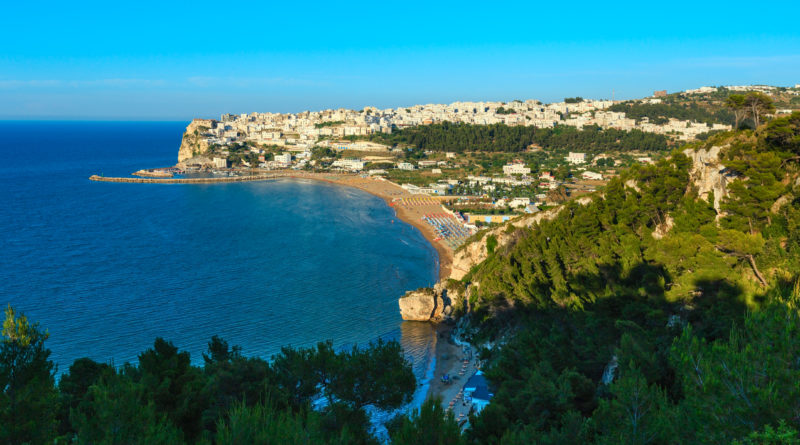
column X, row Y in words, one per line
column 108, row 267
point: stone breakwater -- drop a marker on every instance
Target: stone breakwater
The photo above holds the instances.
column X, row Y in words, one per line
column 185, row 180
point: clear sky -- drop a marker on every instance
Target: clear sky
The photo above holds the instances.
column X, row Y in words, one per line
column 159, row 60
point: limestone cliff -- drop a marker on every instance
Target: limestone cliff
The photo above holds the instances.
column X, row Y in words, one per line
column 193, row 144
column 709, row 175
column 475, row 252
column 425, row 304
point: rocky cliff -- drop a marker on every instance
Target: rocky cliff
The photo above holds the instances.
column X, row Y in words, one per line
column 193, row 144
column 426, row 304
column 475, row 252
column 709, row 175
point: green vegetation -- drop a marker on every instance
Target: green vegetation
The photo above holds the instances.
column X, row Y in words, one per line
column 661, row 113
column 232, row 399
column 461, row 138
column 753, row 105
column 619, row 336
column 328, row 124
column 501, row 110
column 573, row 100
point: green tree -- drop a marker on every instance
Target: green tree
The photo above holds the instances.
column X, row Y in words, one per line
column 74, row 385
column 737, row 104
column 263, row 424
column 428, row 425
column 29, row 400
column 117, row 411
column 174, row 386
column 636, row 414
column 757, row 105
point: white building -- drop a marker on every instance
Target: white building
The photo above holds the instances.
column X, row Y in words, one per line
column 591, row 175
column 516, row 168
column 284, row 160
column 349, row 164
column 220, row 163
column 519, row 202
column 405, row 166
column 576, row 158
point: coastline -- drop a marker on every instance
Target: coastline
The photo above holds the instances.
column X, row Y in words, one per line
column 393, row 195
column 390, row 192
column 447, row 355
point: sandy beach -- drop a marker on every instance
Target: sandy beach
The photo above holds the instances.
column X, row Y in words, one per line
column 460, row 363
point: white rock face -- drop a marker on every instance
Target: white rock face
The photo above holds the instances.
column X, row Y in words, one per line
column 192, row 144
column 425, row 304
column 418, row 305
column 709, row 175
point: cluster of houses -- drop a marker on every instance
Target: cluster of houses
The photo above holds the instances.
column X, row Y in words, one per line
column 329, row 128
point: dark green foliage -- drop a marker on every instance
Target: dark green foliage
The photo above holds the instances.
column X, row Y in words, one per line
column 174, row 386
column 784, row 133
column 117, row 411
column 263, row 424
column 461, row 138
column 491, row 243
column 661, row 113
column 29, row 400
column 428, row 425
column 649, row 280
column 74, row 386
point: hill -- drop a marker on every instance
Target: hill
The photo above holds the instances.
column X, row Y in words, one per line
column 672, row 292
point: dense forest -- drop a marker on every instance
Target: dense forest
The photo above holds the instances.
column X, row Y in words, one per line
column 646, row 315
column 459, row 138
column 613, row 335
column 686, row 111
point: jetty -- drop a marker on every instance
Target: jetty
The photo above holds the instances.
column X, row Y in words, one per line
column 210, row 180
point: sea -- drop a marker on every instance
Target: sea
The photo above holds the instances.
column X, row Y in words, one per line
column 106, row 268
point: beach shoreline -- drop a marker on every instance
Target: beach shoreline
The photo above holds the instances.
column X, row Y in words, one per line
column 447, row 356
column 459, row 363
column 392, row 194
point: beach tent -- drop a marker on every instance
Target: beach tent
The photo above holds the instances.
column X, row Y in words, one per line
column 480, row 398
column 475, row 382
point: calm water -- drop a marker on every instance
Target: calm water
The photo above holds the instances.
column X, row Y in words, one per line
column 107, row 268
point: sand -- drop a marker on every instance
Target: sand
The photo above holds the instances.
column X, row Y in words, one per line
column 460, row 364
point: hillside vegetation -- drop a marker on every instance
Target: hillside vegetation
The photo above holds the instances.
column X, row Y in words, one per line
column 647, row 316
column 461, row 138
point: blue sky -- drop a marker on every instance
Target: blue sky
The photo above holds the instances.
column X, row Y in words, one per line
column 156, row 61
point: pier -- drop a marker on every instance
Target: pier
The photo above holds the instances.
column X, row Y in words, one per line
column 186, row 180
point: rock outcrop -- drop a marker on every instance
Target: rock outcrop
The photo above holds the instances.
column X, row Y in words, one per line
column 709, row 175
column 475, row 252
column 193, row 144
column 425, row 304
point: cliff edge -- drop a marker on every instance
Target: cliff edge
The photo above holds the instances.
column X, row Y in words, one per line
column 193, row 144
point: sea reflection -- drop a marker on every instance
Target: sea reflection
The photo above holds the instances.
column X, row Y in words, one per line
column 419, row 343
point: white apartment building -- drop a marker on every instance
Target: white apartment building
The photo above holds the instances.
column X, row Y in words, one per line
column 349, row 164
column 519, row 202
column 284, row 159
column 576, row 158
column 516, row 168
column 405, row 166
